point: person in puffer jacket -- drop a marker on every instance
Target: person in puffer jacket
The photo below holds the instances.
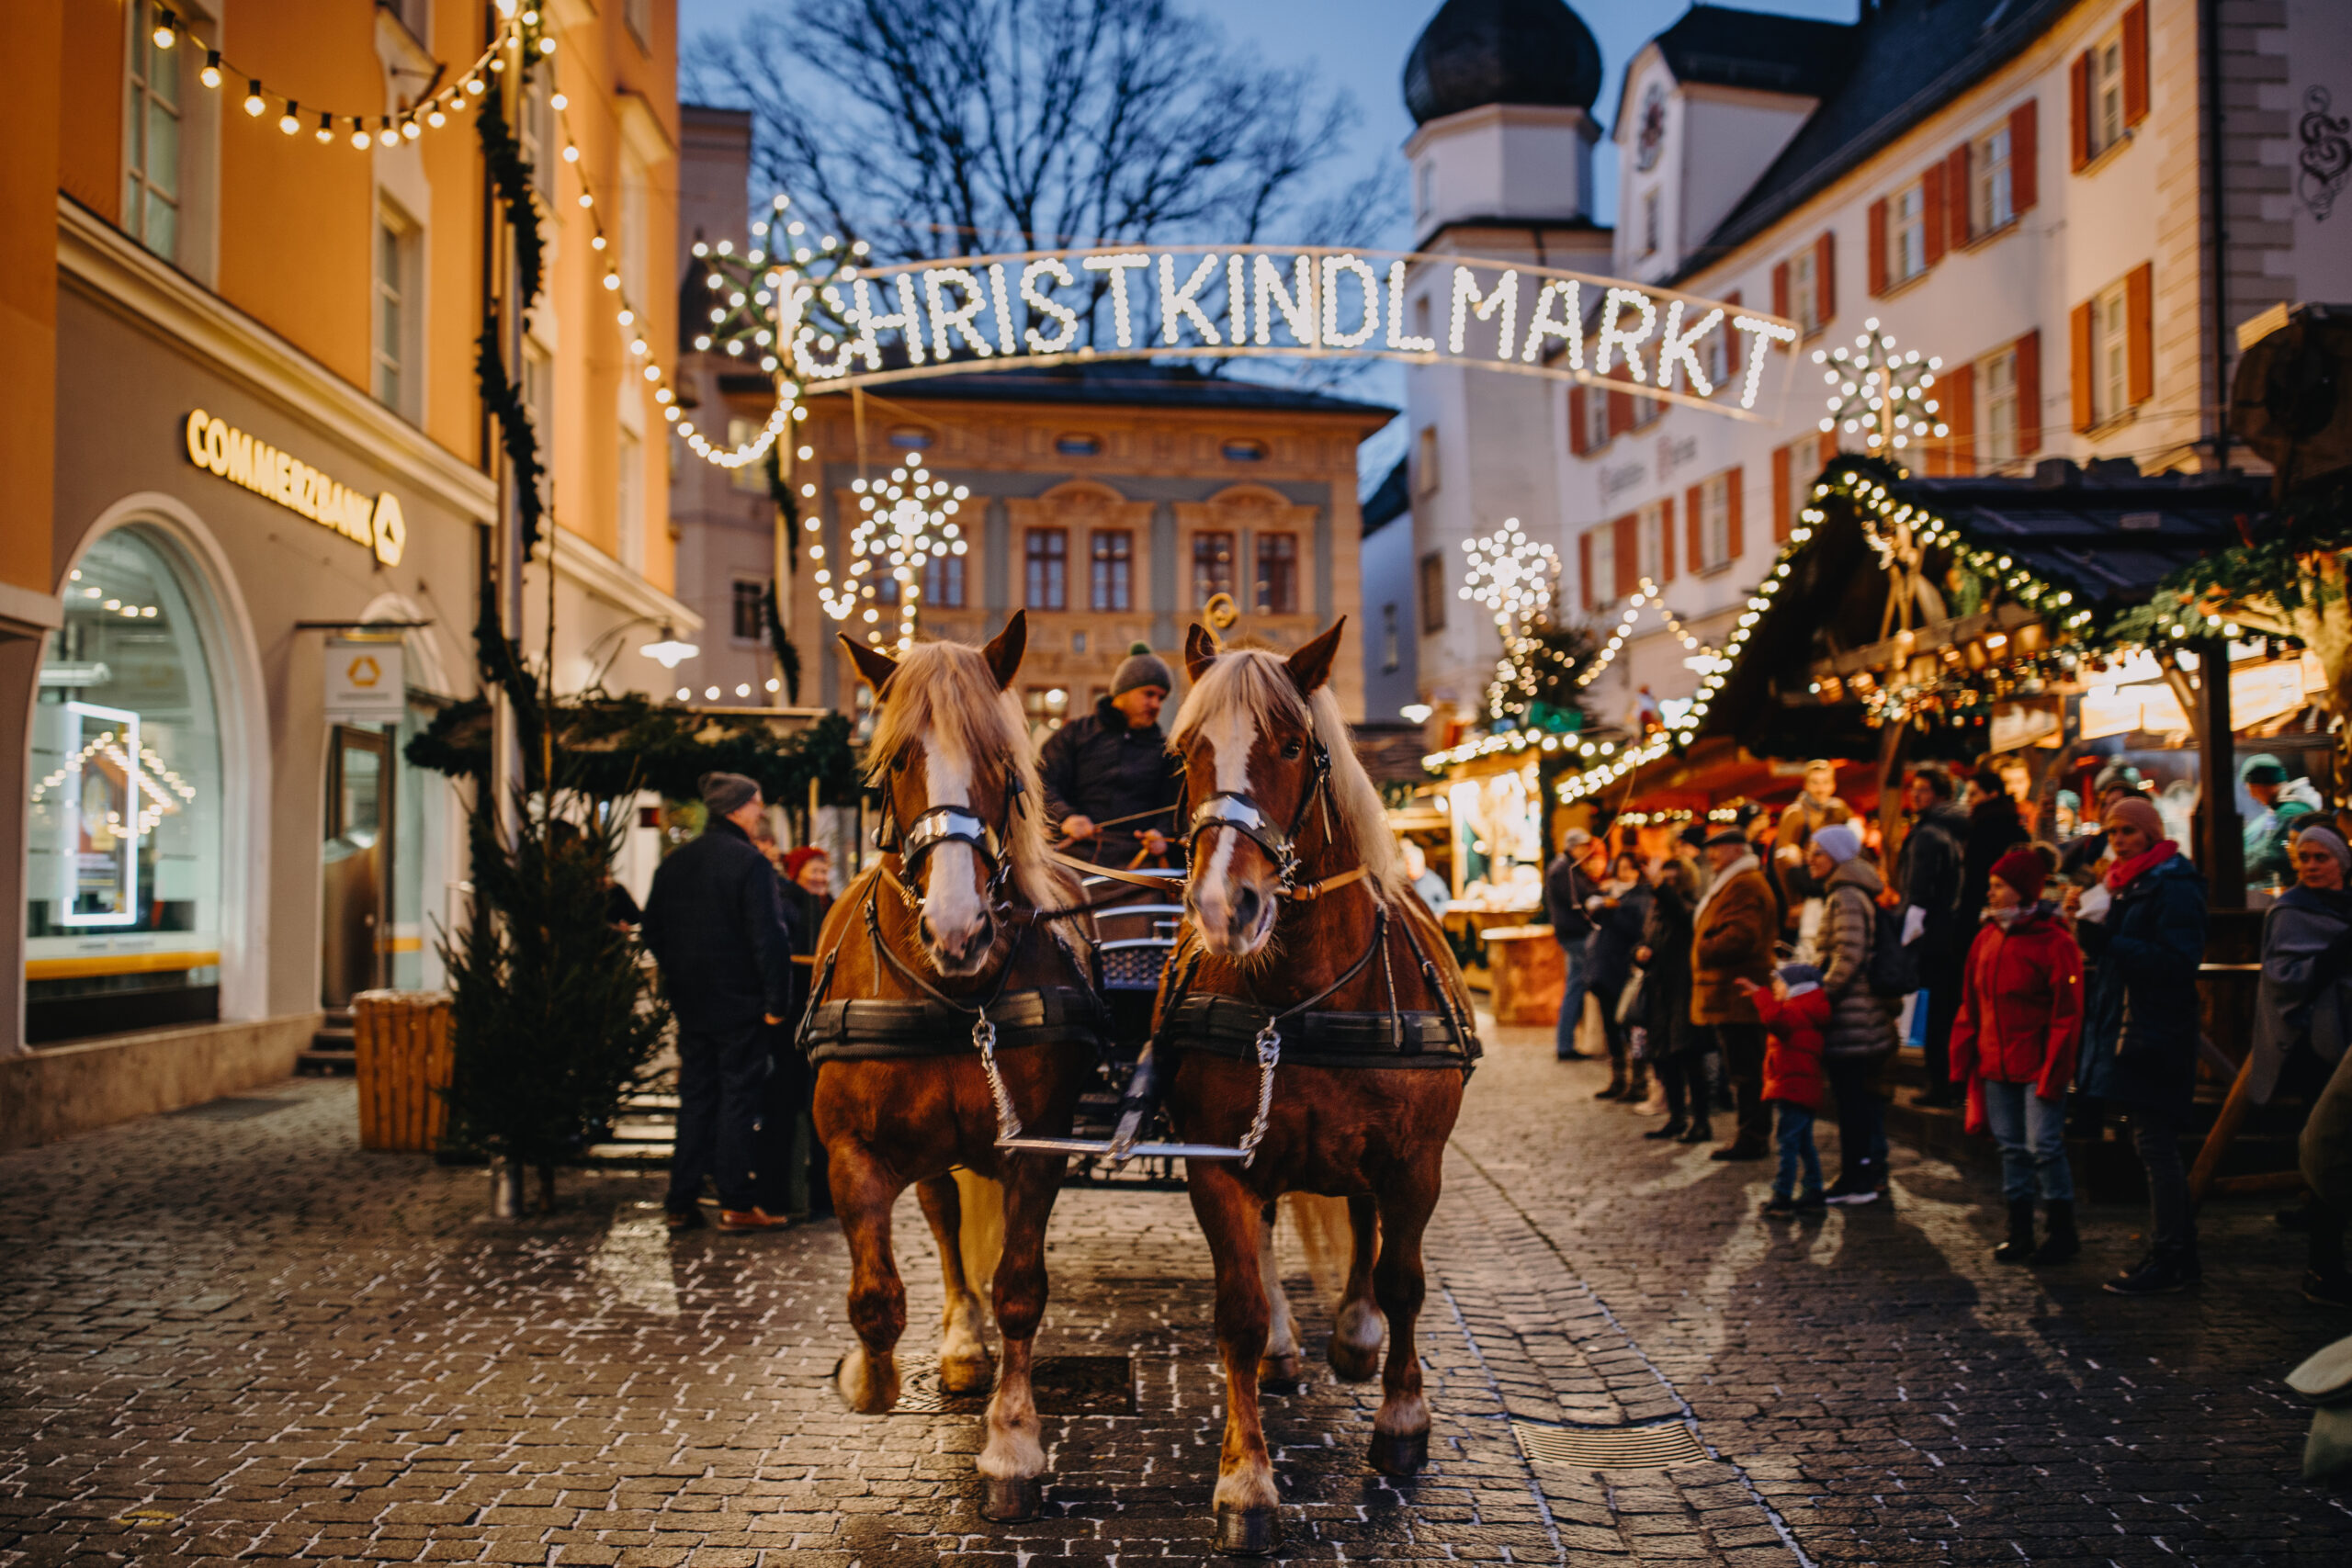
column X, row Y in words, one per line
column 1795, row 1011
column 2014, row 1045
column 1861, row 1036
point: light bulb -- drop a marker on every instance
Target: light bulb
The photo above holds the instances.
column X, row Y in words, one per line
column 289, row 123
column 254, row 104
column 166, row 30
column 211, row 74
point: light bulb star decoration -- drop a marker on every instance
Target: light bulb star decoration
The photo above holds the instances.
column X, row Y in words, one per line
column 907, row 521
column 1513, row 577
column 1879, row 393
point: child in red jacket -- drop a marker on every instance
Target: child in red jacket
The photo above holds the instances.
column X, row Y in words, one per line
column 1795, row 1011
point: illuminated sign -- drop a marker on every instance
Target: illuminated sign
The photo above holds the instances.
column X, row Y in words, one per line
column 220, row 447
column 860, row 325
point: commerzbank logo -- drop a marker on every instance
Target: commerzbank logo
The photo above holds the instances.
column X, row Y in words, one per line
column 220, row 447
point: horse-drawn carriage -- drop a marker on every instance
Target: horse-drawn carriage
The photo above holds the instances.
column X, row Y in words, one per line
column 1282, row 1005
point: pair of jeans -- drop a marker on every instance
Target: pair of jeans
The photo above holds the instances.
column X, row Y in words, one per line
column 1564, row 1044
column 2173, row 1218
column 1861, row 1120
column 723, row 1073
column 2032, row 1132
column 1796, row 1149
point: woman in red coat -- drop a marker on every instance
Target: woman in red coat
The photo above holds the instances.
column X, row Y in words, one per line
column 2020, row 1024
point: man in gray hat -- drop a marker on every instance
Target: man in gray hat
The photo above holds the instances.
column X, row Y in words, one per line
column 714, row 922
column 1111, row 786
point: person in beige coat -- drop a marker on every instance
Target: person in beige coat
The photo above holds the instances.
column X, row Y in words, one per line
column 1733, row 931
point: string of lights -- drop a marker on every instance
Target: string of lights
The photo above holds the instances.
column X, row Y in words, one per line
column 1647, row 593
column 907, row 525
column 1878, row 393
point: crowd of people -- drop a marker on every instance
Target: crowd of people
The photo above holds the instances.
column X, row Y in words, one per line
column 1764, row 967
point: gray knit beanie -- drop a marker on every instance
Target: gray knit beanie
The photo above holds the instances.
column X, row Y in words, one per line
column 1142, row 668
column 725, row 794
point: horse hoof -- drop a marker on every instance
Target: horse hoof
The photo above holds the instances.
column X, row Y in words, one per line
column 1011, row 1500
column 1400, row 1453
column 860, row 1398
column 1247, row 1532
column 962, row 1378
column 1279, row 1369
column 1353, row 1363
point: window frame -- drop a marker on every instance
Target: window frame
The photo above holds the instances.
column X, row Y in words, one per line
column 1602, row 589
column 628, row 498
column 139, row 98
column 1991, row 189
column 945, row 581
column 738, row 605
column 1996, row 441
column 1206, row 589
column 400, row 237
column 1045, row 568
column 1714, row 524
column 1651, row 222
column 1277, row 596
column 1805, row 293
column 2110, row 353
column 1392, row 641
column 1906, row 235
column 1109, row 575
column 1430, row 579
column 2107, row 70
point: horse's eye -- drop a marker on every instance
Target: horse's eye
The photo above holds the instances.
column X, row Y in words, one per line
column 1290, row 750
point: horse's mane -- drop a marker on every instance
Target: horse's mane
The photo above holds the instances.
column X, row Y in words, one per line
column 1260, row 681
column 945, row 697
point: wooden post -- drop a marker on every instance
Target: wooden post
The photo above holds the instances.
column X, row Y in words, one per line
column 2223, row 854
column 2225, row 1131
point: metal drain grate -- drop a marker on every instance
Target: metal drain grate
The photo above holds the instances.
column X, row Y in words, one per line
column 1610, row 1448
column 1065, row 1385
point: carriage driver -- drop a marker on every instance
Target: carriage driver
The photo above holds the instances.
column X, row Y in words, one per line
column 1111, row 788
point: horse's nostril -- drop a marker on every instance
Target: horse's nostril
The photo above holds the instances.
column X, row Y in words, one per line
column 1245, row 909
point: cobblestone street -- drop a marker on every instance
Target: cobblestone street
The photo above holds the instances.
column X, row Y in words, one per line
column 229, row 1333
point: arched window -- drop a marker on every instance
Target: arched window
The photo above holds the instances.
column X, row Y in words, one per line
column 123, row 871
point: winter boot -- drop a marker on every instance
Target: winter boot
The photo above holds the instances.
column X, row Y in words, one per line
column 1637, row 1090
column 2018, row 1248
column 1701, row 1131
column 1617, row 1081
column 2062, row 1244
column 1672, row 1127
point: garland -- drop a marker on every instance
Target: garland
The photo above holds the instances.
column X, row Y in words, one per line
column 509, row 176
column 610, row 747
column 788, row 657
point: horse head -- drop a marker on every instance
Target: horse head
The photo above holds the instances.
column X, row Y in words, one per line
column 951, row 757
column 1258, row 754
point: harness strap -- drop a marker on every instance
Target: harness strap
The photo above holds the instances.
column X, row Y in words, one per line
column 1133, row 879
column 1314, row 890
column 895, row 1029
column 1227, row 1025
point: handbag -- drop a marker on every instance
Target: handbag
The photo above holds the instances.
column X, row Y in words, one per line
column 1629, row 1000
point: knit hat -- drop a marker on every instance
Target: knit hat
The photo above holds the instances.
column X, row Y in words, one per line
column 725, row 794
column 1838, row 841
column 2134, row 811
column 2329, row 839
column 1795, row 975
column 2024, row 870
column 1142, row 668
column 2116, row 775
column 794, row 860
column 2262, row 768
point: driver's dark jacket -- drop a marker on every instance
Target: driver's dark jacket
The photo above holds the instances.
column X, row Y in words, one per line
column 1102, row 767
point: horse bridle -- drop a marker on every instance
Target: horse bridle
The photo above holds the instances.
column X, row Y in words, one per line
column 1239, row 810
column 937, row 824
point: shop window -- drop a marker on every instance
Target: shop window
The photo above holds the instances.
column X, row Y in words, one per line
column 397, row 384
column 749, row 606
column 123, row 863
column 1046, row 560
column 1433, row 593
column 152, row 136
column 943, row 581
column 1277, row 583
column 1113, row 560
column 1991, row 198
column 1211, row 566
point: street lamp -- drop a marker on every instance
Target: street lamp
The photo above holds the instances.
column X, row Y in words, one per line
column 669, row 652
column 1416, row 713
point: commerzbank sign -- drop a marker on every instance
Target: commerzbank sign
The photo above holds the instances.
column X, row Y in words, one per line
column 220, row 447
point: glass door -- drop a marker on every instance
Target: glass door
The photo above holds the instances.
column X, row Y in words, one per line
column 358, row 862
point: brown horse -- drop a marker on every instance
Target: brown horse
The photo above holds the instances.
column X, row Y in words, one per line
column 928, row 950
column 1305, row 941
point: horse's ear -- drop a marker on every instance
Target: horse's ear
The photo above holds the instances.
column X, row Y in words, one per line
column 1310, row 666
column 872, row 663
column 1200, row 647
column 1004, row 650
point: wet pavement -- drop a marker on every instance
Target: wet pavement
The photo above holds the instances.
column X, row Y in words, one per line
column 230, row 1334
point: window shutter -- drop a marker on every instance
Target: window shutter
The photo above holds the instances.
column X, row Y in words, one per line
column 1732, row 334
column 2079, row 81
column 1584, row 567
column 1931, row 196
column 2135, row 63
column 2078, row 365
column 1960, row 415
column 2139, row 310
column 1825, row 276
column 1665, row 541
column 1626, row 530
column 1877, row 260
column 1621, row 412
column 1957, row 197
column 1694, row 527
column 1783, row 501
column 1734, row 544
column 2025, row 155
column 2029, row 393
column 1780, row 290
column 1575, row 419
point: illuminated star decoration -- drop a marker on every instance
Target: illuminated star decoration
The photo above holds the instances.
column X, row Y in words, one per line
column 908, row 521
column 1512, row 576
column 1880, row 394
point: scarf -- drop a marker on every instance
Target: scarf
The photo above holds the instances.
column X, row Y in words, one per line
column 2121, row 874
column 1723, row 879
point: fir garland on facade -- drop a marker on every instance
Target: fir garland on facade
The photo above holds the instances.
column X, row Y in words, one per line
column 510, row 177
column 788, row 657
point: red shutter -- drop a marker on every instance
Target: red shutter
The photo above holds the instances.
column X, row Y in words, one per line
column 1784, row 497
column 2080, row 364
column 1621, row 412
column 2025, row 156
column 1584, row 567
column 1956, row 199
column 2140, row 332
column 2135, row 63
column 1734, row 483
column 1576, row 419
column 1825, row 278
column 2079, row 79
column 1931, row 196
column 1732, row 335
column 1780, row 290
column 1958, row 413
column 1665, row 541
column 1877, row 258
column 2029, row 393
column 1694, row 527
column 1627, row 531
